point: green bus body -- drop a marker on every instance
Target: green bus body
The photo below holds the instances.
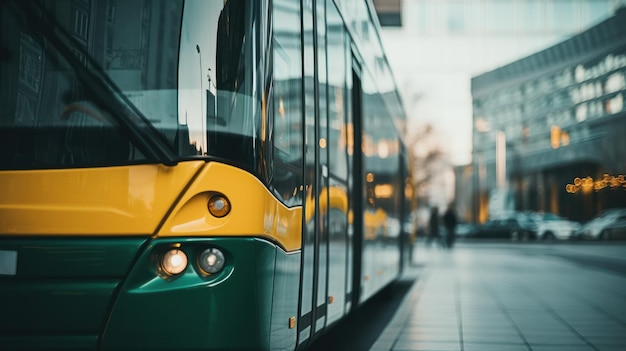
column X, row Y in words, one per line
column 81, row 294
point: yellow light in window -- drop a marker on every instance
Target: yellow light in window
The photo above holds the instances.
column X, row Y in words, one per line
column 383, row 191
column 555, row 137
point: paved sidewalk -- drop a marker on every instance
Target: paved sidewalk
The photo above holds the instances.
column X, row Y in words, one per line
column 490, row 298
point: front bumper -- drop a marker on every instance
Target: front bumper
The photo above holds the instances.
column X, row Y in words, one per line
column 106, row 294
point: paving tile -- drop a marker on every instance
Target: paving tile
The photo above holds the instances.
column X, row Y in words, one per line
column 452, row 337
column 538, row 328
column 494, row 347
column 614, row 340
column 495, row 317
column 492, row 338
column 599, row 330
column 426, row 346
column 609, row 343
column 554, row 340
column 431, row 330
column 499, row 329
column 503, row 330
column 562, row 348
column 432, row 324
column 596, row 324
column 612, row 347
column 487, row 324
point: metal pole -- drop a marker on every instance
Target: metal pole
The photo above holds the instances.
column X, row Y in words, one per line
column 501, row 159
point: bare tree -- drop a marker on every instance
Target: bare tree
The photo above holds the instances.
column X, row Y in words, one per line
column 425, row 156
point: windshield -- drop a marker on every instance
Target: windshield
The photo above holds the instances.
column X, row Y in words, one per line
column 101, row 83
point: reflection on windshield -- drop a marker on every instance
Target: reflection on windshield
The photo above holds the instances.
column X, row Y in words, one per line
column 70, row 72
column 105, row 83
column 216, row 83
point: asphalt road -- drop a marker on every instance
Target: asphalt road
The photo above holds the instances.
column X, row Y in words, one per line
column 362, row 328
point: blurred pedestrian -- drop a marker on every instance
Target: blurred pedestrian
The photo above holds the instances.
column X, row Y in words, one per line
column 433, row 227
column 450, row 221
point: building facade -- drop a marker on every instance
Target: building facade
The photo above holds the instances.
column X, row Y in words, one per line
column 435, row 47
column 550, row 129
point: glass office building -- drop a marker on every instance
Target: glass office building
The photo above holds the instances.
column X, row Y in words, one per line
column 550, row 128
column 435, row 47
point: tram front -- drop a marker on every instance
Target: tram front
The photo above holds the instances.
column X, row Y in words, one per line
column 133, row 207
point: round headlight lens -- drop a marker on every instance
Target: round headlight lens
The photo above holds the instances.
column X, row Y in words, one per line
column 174, row 262
column 219, row 206
column 211, row 260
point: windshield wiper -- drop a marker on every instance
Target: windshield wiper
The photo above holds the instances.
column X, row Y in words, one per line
column 103, row 90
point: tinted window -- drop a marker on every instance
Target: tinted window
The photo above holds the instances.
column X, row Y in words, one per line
column 104, row 83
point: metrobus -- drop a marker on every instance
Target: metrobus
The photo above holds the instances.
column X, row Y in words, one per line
column 197, row 175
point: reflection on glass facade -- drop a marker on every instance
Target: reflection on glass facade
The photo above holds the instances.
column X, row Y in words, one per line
column 287, row 102
column 339, row 168
column 310, row 188
column 322, row 167
column 89, row 83
column 77, row 84
column 562, row 111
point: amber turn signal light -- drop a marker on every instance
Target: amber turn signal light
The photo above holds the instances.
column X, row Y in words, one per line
column 219, row 206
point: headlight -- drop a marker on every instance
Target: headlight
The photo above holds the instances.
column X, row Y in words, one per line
column 219, row 206
column 174, row 262
column 211, row 261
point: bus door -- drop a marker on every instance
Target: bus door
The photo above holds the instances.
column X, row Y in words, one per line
column 323, row 205
column 315, row 297
column 338, row 141
column 355, row 192
column 312, row 315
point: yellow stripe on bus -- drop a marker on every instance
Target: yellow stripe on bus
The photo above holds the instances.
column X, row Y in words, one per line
column 255, row 211
column 125, row 200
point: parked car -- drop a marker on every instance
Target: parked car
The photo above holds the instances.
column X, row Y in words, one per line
column 615, row 230
column 466, row 230
column 551, row 226
column 607, row 225
column 517, row 227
